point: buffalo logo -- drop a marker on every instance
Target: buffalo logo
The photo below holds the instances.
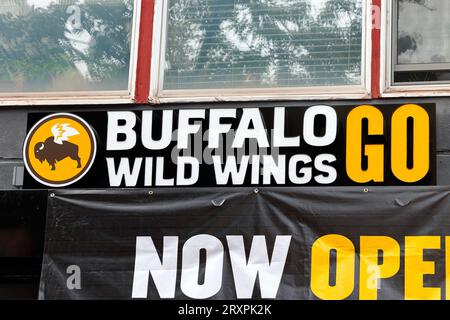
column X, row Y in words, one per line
column 58, row 147
column 59, row 150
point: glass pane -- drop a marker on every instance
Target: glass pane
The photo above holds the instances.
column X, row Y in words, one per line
column 263, row 43
column 64, row 45
column 423, row 31
column 422, row 76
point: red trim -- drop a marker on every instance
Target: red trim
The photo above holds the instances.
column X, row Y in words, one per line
column 376, row 48
column 144, row 52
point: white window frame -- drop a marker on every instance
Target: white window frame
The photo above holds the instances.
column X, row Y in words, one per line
column 159, row 95
column 388, row 87
column 85, row 97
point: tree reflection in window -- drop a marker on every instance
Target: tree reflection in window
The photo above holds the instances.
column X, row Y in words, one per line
column 263, row 43
column 423, row 41
column 64, row 45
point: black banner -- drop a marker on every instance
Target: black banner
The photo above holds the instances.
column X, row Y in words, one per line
column 320, row 145
column 269, row 243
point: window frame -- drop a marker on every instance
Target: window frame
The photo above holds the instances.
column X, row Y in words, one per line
column 159, row 95
column 388, row 49
column 86, row 97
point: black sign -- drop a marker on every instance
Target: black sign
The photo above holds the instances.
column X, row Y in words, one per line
column 271, row 243
column 318, row 145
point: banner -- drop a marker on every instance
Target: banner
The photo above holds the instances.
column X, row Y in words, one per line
column 319, row 145
column 245, row 243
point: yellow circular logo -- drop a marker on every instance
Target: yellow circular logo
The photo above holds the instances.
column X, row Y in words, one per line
column 59, row 150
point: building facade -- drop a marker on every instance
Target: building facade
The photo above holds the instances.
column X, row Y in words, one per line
column 99, row 56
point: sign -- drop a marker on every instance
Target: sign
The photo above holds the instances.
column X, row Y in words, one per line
column 270, row 243
column 55, row 147
column 320, row 145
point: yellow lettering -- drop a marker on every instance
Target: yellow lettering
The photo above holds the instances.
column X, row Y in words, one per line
column 374, row 153
column 416, row 268
column 421, row 143
column 320, row 267
column 370, row 271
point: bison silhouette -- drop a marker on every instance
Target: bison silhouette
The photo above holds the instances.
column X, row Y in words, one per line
column 57, row 147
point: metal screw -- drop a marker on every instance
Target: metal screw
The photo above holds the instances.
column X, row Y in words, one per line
column 52, row 195
column 256, row 190
column 150, row 193
column 366, row 190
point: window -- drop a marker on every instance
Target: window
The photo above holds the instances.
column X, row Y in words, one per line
column 220, row 47
column 421, row 42
column 78, row 51
column 55, row 46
